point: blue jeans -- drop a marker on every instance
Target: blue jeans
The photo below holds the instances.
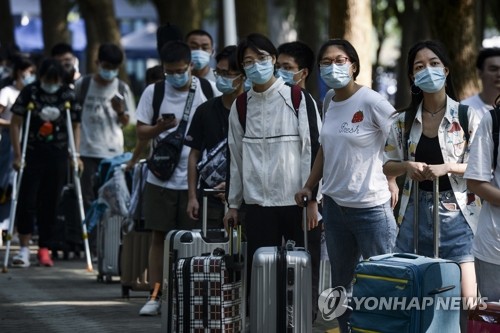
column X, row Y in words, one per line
column 455, row 234
column 352, row 233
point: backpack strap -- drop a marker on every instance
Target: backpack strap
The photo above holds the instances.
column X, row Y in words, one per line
column 296, row 92
column 464, row 121
column 84, row 89
column 241, row 107
column 326, row 101
column 495, row 115
column 159, row 91
column 206, row 87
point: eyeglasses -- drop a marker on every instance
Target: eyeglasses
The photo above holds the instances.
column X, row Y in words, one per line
column 177, row 71
column 288, row 68
column 325, row 62
column 250, row 62
column 225, row 73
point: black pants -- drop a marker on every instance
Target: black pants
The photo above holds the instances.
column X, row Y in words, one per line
column 44, row 177
column 89, row 188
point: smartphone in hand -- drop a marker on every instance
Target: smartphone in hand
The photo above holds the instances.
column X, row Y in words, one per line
column 118, row 97
column 168, row 116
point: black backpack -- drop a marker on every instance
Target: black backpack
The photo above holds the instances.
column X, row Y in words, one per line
column 495, row 115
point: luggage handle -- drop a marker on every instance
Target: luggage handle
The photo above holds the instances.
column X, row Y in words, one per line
column 206, row 192
column 405, row 255
column 435, row 215
column 305, row 201
column 441, row 290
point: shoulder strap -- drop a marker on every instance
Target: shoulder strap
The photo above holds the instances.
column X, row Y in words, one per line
column 495, row 114
column 159, row 91
column 464, row 120
column 241, row 107
column 84, row 88
column 296, row 92
column 121, row 87
column 326, row 101
column 206, row 87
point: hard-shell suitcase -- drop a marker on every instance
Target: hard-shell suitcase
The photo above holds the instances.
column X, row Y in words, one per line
column 406, row 292
column 67, row 228
column 109, row 231
column 281, row 289
column 189, row 243
column 208, row 292
column 134, row 255
column 485, row 318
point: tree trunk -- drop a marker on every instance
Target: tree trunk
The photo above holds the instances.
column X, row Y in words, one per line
column 55, row 25
column 101, row 26
column 251, row 16
column 187, row 16
column 6, row 24
column 453, row 23
column 352, row 20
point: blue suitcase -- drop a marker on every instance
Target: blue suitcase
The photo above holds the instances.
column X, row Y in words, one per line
column 407, row 293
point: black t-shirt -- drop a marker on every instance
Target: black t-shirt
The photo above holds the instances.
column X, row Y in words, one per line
column 429, row 151
column 48, row 115
column 209, row 125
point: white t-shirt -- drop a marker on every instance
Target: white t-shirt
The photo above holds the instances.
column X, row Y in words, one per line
column 173, row 102
column 353, row 138
column 477, row 104
column 8, row 96
column 486, row 245
column 101, row 131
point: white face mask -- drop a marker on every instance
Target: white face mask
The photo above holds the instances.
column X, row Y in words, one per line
column 336, row 76
column 200, row 59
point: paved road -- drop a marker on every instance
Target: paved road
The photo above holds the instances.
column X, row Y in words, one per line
column 67, row 298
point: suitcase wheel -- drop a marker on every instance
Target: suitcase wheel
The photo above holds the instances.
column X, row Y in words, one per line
column 126, row 292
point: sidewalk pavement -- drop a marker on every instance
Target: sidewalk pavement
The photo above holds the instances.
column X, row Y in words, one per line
column 67, row 298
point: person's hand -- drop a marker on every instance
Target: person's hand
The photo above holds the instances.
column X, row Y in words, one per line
column 299, row 196
column 431, row 172
column 221, row 187
column 130, row 165
column 164, row 124
column 232, row 214
column 415, row 171
column 193, row 208
column 394, row 189
column 80, row 164
column 16, row 163
column 118, row 105
column 312, row 215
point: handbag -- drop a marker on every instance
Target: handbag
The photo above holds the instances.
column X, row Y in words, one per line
column 167, row 151
column 213, row 166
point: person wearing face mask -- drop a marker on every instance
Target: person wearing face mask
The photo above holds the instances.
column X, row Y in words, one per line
column 357, row 202
column 64, row 53
column 208, row 130
column 271, row 155
column 24, row 74
column 46, row 161
column 103, row 115
column 426, row 142
column 165, row 201
column 202, row 48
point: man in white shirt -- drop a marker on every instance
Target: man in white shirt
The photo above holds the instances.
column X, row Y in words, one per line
column 488, row 69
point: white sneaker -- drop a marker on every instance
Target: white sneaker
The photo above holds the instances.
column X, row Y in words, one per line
column 151, row 308
column 22, row 259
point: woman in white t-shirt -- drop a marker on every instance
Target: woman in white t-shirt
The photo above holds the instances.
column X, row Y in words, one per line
column 23, row 74
column 357, row 204
column 485, row 182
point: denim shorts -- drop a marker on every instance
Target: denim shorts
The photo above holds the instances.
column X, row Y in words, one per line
column 455, row 234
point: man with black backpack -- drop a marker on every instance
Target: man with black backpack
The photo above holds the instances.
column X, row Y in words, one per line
column 165, row 118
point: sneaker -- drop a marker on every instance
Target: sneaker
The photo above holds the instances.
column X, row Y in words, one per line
column 44, row 257
column 151, row 308
column 22, row 259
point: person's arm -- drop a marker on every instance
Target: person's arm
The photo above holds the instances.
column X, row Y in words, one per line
column 485, row 190
column 148, row 132
column 193, row 204
column 3, row 122
column 140, row 145
column 313, row 179
column 16, row 124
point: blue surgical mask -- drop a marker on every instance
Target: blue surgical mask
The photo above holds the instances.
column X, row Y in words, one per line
column 247, row 85
column 108, row 74
column 27, row 79
column 200, row 59
column 178, row 80
column 50, row 88
column 225, row 84
column 430, row 79
column 287, row 76
column 260, row 72
column 336, row 76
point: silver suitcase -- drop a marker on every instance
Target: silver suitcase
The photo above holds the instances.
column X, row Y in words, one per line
column 190, row 243
column 108, row 247
column 281, row 289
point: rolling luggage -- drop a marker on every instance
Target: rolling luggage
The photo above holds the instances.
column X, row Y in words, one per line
column 485, row 318
column 109, row 231
column 134, row 255
column 405, row 292
column 281, row 288
column 188, row 243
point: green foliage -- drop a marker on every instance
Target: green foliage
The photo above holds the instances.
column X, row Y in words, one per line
column 129, row 137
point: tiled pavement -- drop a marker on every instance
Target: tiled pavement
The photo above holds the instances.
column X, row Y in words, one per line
column 68, row 298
